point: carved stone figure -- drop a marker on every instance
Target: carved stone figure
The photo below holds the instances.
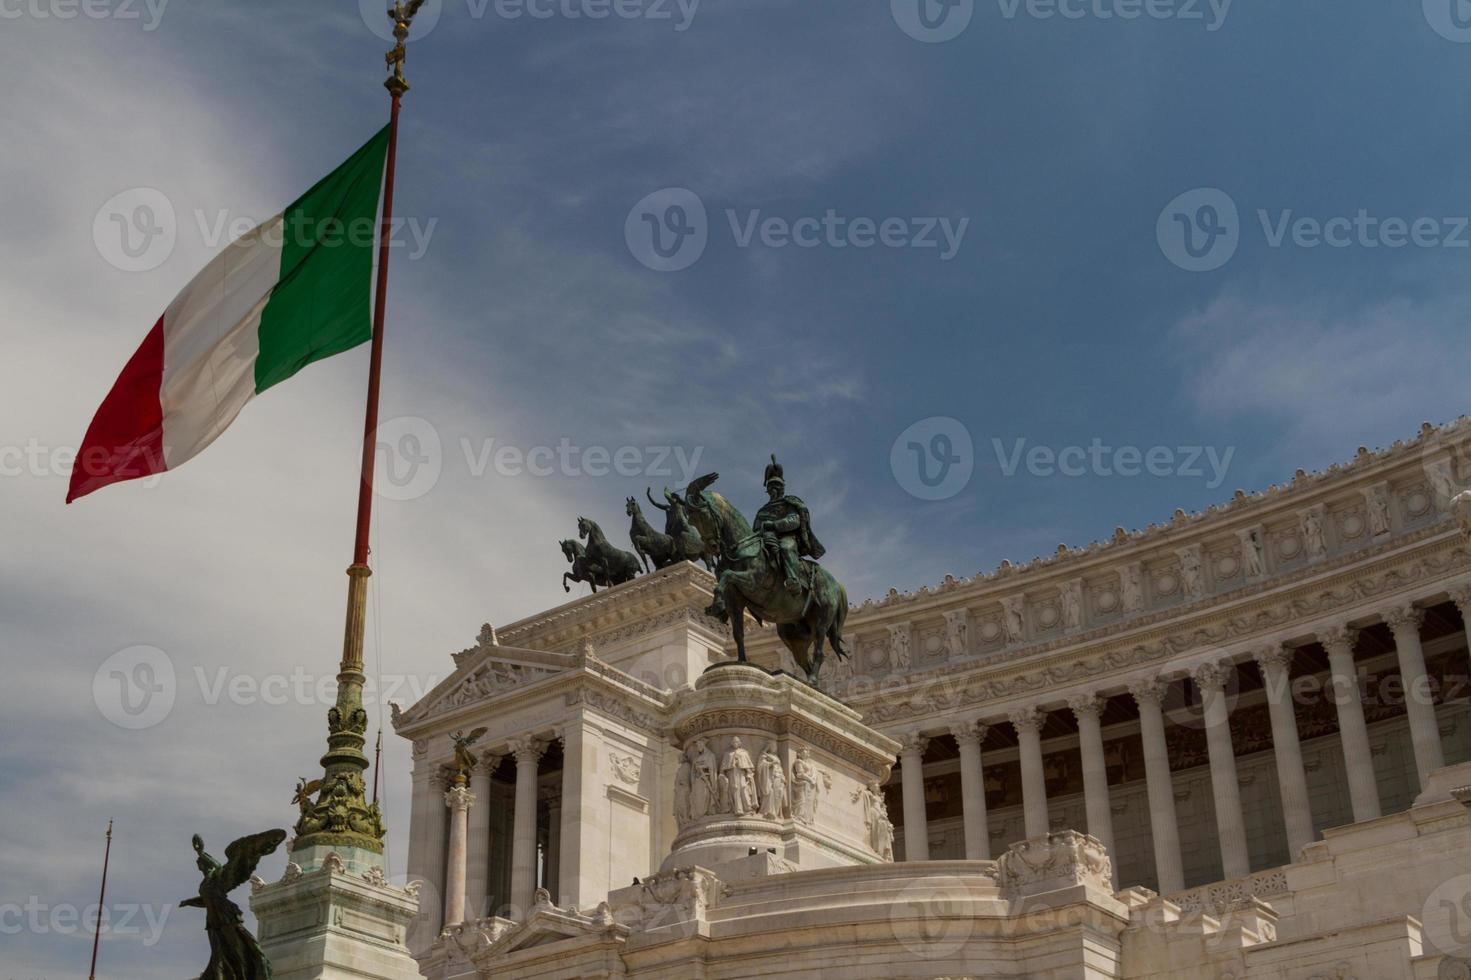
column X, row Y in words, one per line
column 233, row 951
column 771, row 784
column 683, row 784
column 804, row 787
column 767, row 571
column 1072, row 605
column 1312, row 533
column 1013, row 618
column 1377, row 505
column 1190, row 570
column 703, row 781
column 899, row 647
column 876, row 819
column 1251, row 553
column 957, row 625
column 740, row 774
column 1132, row 586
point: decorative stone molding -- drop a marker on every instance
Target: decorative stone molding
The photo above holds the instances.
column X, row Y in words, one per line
column 668, row 898
column 1339, row 638
column 1224, row 896
column 625, row 767
column 1210, row 677
column 614, row 707
column 1060, row 860
column 913, row 743
column 527, row 749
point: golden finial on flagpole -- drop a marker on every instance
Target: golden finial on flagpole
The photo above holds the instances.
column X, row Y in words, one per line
column 403, row 16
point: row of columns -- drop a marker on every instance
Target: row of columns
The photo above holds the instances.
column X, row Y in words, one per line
column 1212, row 680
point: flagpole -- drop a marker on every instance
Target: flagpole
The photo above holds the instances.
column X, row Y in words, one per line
column 101, row 898
column 342, row 817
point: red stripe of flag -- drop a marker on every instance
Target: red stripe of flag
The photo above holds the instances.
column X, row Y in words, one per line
column 125, row 439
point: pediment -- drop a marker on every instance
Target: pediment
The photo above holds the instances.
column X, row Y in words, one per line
column 548, row 925
column 486, row 670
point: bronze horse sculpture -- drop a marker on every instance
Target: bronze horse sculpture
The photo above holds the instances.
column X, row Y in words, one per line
column 618, row 566
column 689, row 544
column 647, row 542
column 747, row 579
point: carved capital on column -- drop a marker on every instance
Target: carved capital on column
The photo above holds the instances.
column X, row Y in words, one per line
column 1085, row 704
column 1460, row 594
column 527, row 750
column 1272, row 658
column 1211, row 676
column 1149, row 690
column 1339, row 639
column 1404, row 619
column 971, row 732
column 489, row 763
column 459, row 798
column 913, row 743
column 1027, row 720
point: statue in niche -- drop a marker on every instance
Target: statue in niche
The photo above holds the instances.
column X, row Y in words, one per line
column 1190, row 571
column 1312, row 532
column 703, row 785
column 1132, row 587
column 738, row 779
column 1378, row 512
column 876, row 819
column 771, row 783
column 682, row 787
column 1014, row 619
column 804, row 787
column 1072, row 605
column 1251, row 553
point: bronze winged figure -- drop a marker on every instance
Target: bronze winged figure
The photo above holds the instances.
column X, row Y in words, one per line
column 233, row 951
column 465, row 759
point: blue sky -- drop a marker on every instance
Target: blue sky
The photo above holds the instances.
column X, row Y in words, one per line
column 1050, row 146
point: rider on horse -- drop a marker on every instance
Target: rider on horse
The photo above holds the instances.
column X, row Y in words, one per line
column 785, row 527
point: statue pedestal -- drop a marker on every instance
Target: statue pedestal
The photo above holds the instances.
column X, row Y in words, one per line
column 335, row 922
column 774, row 776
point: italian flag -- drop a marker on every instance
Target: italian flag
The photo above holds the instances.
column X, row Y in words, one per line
column 295, row 289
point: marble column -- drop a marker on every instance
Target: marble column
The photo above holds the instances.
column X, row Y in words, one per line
column 1028, row 725
column 911, row 773
column 1168, row 867
column 1275, row 662
column 426, row 840
column 523, row 838
column 459, row 799
column 1086, row 708
column 969, row 735
column 1230, row 821
column 1363, row 790
column 1419, row 698
column 554, row 846
column 477, row 850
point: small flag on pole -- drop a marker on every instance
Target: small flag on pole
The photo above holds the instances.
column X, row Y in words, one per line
column 296, row 289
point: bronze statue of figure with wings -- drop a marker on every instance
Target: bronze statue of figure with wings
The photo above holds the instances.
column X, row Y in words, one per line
column 233, row 951
column 465, row 759
column 304, row 791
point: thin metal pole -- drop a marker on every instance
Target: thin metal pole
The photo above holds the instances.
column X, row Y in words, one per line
column 101, row 898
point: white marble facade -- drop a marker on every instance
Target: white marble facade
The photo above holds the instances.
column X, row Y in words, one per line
column 1234, row 745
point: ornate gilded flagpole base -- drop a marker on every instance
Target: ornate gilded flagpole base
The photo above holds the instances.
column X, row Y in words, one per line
column 341, row 819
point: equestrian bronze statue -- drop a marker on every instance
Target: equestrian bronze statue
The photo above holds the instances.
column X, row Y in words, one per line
column 771, row 570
